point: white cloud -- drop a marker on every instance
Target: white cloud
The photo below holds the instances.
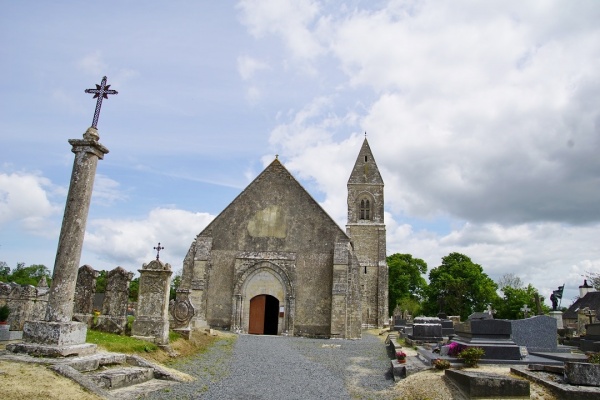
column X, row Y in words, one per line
column 93, row 64
column 248, row 66
column 129, row 242
column 291, row 21
column 24, row 198
column 107, row 191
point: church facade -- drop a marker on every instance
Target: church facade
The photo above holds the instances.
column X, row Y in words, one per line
column 274, row 262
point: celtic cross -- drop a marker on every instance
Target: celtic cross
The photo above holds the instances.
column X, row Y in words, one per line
column 101, row 92
column 158, row 249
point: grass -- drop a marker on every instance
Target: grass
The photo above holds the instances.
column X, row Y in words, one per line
column 199, row 342
column 118, row 343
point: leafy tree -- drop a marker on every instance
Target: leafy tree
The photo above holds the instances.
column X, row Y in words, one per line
column 101, row 282
column 411, row 305
column 4, row 271
column 459, row 287
column 23, row 275
column 405, row 280
column 134, row 289
column 509, row 307
column 175, row 282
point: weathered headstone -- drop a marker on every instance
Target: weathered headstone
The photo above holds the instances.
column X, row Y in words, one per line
column 116, row 298
column 26, row 303
column 85, row 289
column 152, row 315
column 181, row 310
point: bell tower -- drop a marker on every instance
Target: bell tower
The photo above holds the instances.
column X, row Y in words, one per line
column 366, row 229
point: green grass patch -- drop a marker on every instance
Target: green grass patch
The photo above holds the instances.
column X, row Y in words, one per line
column 173, row 336
column 118, row 343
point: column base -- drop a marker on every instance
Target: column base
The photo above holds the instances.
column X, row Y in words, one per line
column 42, row 350
column 558, row 316
column 54, row 339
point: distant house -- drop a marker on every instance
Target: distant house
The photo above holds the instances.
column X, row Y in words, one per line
column 588, row 298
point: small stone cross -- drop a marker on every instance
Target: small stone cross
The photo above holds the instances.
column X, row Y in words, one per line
column 158, row 249
column 525, row 310
column 101, row 92
column 590, row 313
column 490, row 310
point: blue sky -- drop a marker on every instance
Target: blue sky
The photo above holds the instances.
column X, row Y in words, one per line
column 482, row 116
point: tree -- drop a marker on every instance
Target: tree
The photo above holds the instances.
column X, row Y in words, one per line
column 405, row 279
column 510, row 280
column 31, row 275
column 4, row 271
column 594, row 279
column 175, row 282
column 459, row 287
column 134, row 289
column 509, row 307
column 101, row 281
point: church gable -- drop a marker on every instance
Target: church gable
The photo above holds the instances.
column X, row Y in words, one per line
column 274, row 213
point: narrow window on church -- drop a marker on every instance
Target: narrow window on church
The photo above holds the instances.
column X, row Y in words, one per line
column 365, row 269
column 365, row 158
column 365, row 209
column 362, row 209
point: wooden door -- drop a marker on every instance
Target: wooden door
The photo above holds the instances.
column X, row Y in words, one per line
column 256, row 325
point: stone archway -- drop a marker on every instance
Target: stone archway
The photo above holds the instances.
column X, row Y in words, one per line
column 268, row 285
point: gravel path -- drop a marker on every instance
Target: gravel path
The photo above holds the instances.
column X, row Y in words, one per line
column 276, row 367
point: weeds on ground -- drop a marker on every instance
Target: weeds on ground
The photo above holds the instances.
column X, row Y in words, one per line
column 119, row 343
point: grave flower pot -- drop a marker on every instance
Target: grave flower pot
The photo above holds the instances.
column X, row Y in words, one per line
column 581, row 373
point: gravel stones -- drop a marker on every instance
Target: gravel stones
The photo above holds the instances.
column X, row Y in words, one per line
column 276, row 367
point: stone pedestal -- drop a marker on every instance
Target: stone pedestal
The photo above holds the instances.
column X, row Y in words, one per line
column 558, row 316
column 53, row 339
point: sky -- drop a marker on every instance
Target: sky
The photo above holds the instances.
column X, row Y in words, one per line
column 483, row 117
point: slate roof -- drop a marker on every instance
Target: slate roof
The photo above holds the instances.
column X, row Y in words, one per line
column 591, row 300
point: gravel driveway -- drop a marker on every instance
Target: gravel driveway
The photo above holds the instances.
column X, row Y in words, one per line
column 276, row 367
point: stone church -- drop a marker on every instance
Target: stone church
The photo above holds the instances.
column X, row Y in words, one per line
column 275, row 263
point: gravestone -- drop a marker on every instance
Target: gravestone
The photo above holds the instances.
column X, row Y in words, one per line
column 152, row 315
column 591, row 340
column 537, row 333
column 116, row 297
column 182, row 311
column 85, row 289
column 399, row 322
column 26, row 303
column 426, row 329
column 492, row 335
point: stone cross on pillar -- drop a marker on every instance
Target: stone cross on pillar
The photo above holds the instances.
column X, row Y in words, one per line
column 58, row 335
column 101, row 92
column 525, row 310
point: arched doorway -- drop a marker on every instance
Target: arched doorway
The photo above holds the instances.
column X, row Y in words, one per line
column 264, row 315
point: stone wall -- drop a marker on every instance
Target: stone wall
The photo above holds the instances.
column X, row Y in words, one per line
column 26, row 302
